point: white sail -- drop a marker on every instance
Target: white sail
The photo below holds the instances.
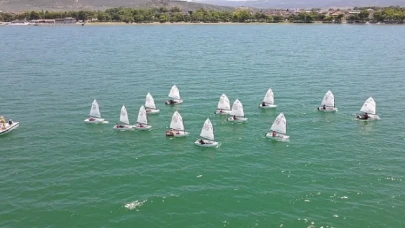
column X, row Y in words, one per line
column 280, row 124
column 177, row 122
column 328, row 99
column 269, row 97
column 150, row 102
column 224, row 103
column 142, row 116
column 208, row 130
column 237, row 109
column 124, row 115
column 174, row 93
column 369, row 106
column 95, row 110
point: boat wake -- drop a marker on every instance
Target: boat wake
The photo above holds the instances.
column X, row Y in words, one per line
column 134, row 204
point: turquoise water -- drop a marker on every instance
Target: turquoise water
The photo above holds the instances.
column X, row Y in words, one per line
column 55, row 171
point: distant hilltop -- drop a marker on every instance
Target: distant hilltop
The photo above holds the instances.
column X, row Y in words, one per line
column 22, row 5
column 63, row 5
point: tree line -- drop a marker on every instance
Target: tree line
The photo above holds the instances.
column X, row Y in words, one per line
column 174, row 14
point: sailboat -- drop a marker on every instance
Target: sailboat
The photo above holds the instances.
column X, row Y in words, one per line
column 142, row 121
column 237, row 112
column 150, row 105
column 279, row 129
column 268, row 100
column 368, row 110
column 174, row 96
column 224, row 106
column 176, row 126
column 328, row 103
column 7, row 127
column 124, row 121
column 95, row 116
column 207, row 135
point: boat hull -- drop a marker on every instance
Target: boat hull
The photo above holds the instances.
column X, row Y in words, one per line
column 123, row 127
column 152, row 111
column 223, row 112
column 95, row 121
column 177, row 134
column 207, row 143
column 327, row 109
column 143, row 128
column 9, row 128
column 277, row 137
column 268, row 106
column 238, row 120
column 370, row 118
column 174, row 102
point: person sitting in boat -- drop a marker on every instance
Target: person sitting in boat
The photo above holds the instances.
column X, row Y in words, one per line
column 10, row 122
column 365, row 116
column 273, row 134
column 140, row 125
column 171, row 101
column 324, row 107
column 202, row 141
column 263, row 104
column 220, row 111
column 234, row 117
column 91, row 119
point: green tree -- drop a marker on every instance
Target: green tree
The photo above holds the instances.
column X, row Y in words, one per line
column 163, row 18
column 34, row 15
column 363, row 15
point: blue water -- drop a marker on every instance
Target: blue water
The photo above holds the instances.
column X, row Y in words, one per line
column 55, row 171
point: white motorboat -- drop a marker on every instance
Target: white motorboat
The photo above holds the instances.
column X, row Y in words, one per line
column 7, row 127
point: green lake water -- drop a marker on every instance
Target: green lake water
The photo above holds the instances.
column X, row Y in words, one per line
column 55, row 171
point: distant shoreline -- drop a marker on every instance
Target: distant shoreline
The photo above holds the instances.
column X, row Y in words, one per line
column 190, row 23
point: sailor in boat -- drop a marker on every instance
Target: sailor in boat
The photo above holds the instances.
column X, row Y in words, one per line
column 170, row 133
column 10, row 122
column 263, row 104
column 220, row 111
column 91, row 119
column 324, row 107
column 234, row 117
column 171, row 101
column 273, row 134
column 202, row 141
column 363, row 117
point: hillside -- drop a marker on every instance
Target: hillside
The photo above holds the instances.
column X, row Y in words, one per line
column 22, row 5
column 304, row 3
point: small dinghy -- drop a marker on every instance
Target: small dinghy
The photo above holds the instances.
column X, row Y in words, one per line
column 279, row 129
column 150, row 106
column 7, row 127
column 142, row 121
column 328, row 103
column 124, row 121
column 95, row 116
column 224, row 106
column 268, row 100
column 176, row 126
column 174, row 96
column 207, row 136
column 368, row 111
column 237, row 114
